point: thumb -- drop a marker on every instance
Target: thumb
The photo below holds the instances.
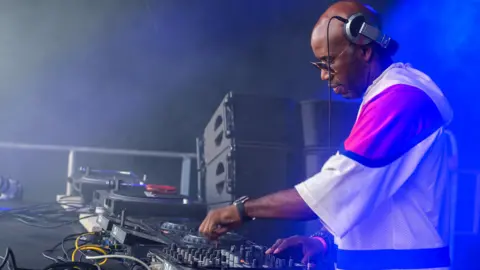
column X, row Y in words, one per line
column 221, row 230
column 305, row 259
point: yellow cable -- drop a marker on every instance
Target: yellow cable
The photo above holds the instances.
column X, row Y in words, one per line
column 80, row 236
column 87, row 247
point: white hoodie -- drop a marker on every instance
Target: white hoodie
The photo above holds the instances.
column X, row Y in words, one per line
column 383, row 196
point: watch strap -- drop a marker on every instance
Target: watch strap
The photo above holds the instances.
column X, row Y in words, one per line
column 240, row 204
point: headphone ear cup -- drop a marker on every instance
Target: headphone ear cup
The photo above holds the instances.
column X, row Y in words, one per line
column 352, row 29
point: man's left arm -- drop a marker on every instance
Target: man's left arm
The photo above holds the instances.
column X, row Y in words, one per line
column 285, row 204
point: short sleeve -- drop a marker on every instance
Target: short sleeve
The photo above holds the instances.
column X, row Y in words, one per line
column 374, row 162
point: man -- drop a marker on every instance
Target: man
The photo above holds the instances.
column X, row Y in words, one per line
column 383, row 196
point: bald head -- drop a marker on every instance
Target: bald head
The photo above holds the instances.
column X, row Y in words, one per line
column 343, row 9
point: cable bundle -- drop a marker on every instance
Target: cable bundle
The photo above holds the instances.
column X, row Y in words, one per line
column 48, row 215
column 9, row 260
column 95, row 244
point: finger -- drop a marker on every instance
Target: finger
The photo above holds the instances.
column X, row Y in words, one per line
column 306, row 259
column 221, row 230
column 210, row 229
column 203, row 227
column 291, row 241
column 274, row 246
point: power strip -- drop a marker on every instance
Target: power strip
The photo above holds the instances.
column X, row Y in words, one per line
column 73, row 203
column 90, row 224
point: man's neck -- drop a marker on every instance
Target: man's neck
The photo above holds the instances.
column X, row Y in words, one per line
column 378, row 67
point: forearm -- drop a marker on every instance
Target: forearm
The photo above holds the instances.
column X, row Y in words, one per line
column 285, row 204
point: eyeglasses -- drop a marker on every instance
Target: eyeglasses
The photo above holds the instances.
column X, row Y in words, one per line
column 327, row 61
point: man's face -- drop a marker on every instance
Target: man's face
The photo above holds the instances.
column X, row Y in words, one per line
column 349, row 70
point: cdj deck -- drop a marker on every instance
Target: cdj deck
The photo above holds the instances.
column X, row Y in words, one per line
column 138, row 202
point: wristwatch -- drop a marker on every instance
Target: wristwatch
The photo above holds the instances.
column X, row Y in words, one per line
column 240, row 204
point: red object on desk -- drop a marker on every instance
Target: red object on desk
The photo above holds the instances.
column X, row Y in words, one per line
column 161, row 189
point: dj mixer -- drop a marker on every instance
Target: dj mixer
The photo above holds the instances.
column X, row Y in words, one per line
column 235, row 257
column 176, row 244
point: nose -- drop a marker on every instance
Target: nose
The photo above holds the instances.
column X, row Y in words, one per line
column 324, row 75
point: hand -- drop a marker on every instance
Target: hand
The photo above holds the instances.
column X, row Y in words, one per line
column 311, row 247
column 220, row 221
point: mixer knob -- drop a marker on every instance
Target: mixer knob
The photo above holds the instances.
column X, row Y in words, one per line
column 173, row 246
column 248, row 256
column 180, row 257
column 242, row 253
column 278, row 263
column 254, row 263
column 236, row 260
column 232, row 248
column 272, row 262
column 290, row 262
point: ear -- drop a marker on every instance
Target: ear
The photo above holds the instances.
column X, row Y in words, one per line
column 367, row 53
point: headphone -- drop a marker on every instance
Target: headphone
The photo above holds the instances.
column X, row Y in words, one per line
column 359, row 32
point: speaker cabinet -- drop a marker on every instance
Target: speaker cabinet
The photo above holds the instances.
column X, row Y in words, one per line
column 315, row 119
column 251, row 170
column 250, row 119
